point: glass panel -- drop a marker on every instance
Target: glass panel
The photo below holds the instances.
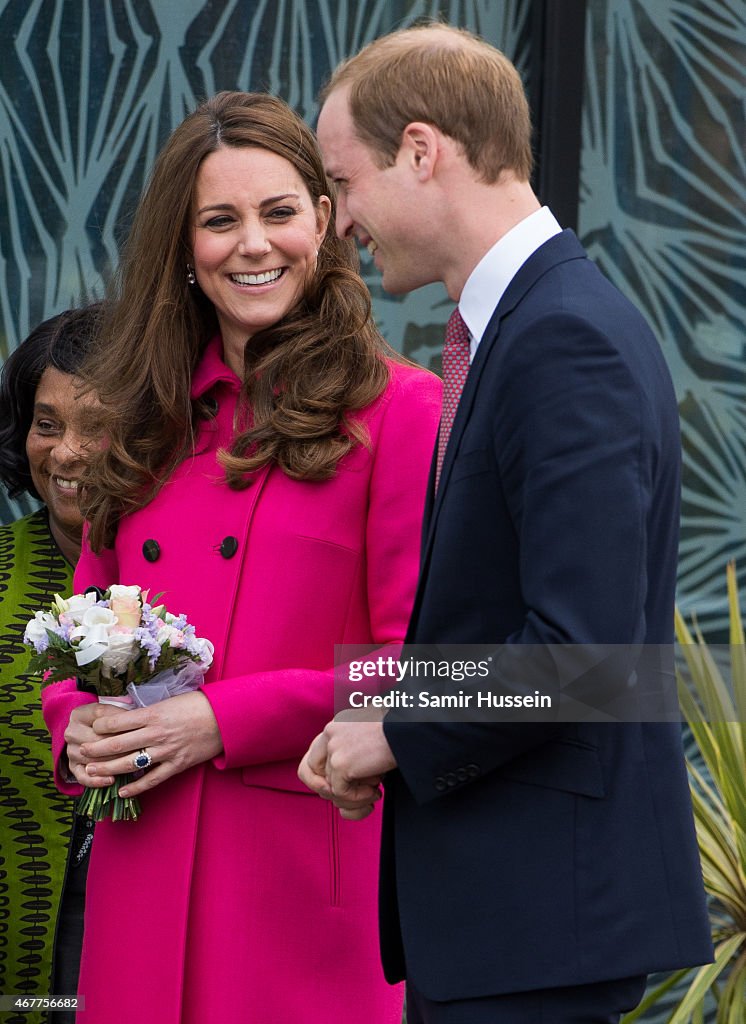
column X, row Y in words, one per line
column 663, row 211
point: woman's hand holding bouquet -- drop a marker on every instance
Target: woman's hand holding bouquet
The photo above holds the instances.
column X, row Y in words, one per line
column 135, row 656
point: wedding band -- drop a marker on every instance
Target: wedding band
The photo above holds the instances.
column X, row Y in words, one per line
column 142, row 759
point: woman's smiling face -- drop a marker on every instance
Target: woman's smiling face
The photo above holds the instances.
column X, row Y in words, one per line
column 255, row 238
column 56, row 448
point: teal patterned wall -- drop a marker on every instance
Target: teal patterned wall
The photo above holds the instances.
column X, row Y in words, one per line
column 89, row 89
column 663, row 211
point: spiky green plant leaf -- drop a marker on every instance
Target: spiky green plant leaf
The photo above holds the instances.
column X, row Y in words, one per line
column 716, row 714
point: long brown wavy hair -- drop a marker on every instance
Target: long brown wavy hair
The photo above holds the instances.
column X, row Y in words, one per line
column 302, row 376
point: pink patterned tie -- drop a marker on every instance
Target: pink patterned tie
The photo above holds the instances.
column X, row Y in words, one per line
column 455, row 369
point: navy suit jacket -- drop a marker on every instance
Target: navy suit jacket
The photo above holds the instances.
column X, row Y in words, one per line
column 555, row 854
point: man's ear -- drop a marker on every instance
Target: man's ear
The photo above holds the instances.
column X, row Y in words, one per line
column 420, row 145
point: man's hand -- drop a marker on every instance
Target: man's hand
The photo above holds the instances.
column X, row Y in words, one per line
column 346, row 764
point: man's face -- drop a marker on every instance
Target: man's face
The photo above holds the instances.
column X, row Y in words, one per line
column 375, row 205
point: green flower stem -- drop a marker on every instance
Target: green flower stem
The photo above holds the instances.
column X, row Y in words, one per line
column 98, row 804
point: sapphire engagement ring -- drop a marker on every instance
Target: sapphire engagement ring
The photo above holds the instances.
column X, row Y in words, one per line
column 142, row 759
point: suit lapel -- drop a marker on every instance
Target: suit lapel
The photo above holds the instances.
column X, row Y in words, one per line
column 558, row 249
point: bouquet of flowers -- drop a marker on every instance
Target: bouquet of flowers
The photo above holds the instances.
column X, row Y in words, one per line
column 126, row 652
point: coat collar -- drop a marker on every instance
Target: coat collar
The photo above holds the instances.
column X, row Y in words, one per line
column 211, row 370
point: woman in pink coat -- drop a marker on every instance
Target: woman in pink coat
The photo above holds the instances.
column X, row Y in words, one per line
column 265, row 471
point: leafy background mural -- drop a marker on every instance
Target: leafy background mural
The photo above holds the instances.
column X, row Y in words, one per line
column 89, row 89
column 663, row 211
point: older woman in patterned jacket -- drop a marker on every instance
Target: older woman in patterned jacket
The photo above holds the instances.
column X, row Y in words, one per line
column 43, row 857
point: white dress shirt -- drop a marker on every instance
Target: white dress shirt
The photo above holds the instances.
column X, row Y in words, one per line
column 488, row 281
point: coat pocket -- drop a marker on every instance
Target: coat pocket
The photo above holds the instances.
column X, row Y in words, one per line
column 567, row 765
column 309, row 827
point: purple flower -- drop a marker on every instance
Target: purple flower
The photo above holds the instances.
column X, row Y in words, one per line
column 149, row 644
column 63, row 631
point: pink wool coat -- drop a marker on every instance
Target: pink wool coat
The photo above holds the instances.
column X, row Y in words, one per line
column 238, row 895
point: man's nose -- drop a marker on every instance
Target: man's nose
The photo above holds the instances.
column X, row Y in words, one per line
column 343, row 223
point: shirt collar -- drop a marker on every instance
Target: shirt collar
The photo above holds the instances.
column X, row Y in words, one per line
column 211, row 369
column 488, row 281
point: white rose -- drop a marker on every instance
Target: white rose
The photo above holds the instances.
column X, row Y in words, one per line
column 78, row 605
column 36, row 630
column 117, row 590
column 119, row 652
column 97, row 616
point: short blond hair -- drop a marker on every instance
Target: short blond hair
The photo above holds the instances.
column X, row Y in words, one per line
column 446, row 77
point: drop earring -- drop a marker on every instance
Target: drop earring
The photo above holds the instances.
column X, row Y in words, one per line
column 192, row 280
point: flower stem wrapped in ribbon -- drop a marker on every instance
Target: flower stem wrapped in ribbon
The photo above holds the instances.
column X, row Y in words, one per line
column 126, row 652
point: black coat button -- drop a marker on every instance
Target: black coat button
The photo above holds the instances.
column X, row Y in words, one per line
column 473, row 770
column 450, row 779
column 151, row 549
column 461, row 774
column 440, row 784
column 229, row 547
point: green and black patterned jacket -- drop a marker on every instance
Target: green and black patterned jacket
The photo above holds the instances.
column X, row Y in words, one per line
column 35, row 819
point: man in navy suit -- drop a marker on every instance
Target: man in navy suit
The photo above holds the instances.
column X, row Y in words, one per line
column 530, row 872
